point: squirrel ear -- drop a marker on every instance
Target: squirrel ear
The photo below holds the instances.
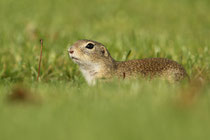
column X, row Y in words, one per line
column 104, row 51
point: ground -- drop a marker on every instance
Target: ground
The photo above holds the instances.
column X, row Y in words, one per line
column 62, row 106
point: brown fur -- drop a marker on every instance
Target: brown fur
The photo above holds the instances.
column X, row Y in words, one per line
column 151, row 67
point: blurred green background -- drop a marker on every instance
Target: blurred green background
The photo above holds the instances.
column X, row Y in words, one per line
column 67, row 108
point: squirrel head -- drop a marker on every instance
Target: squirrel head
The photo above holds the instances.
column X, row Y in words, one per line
column 88, row 52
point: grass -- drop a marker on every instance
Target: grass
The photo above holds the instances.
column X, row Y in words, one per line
column 67, row 108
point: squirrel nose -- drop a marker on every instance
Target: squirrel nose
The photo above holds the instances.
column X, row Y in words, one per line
column 71, row 52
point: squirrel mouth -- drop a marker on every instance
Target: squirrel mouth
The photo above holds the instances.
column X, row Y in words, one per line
column 74, row 58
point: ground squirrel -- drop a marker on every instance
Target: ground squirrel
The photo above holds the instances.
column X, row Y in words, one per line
column 95, row 62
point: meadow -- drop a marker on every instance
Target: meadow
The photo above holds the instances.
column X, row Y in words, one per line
column 62, row 106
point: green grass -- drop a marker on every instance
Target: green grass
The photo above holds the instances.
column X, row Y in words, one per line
column 67, row 107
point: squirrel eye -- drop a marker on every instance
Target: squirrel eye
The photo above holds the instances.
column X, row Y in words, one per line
column 89, row 46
